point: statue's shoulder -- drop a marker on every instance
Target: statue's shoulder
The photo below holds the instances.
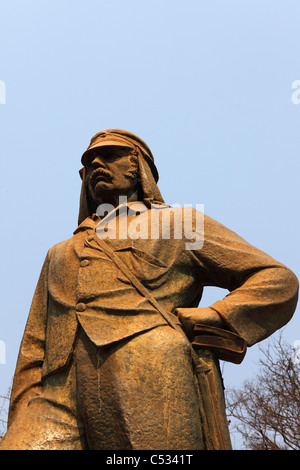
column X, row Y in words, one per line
column 60, row 246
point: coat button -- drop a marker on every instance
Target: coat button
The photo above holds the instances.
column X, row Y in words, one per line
column 80, row 307
column 84, row 262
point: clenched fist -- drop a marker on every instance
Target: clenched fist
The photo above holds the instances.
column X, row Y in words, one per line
column 188, row 317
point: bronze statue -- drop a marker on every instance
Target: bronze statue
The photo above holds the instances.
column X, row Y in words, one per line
column 116, row 353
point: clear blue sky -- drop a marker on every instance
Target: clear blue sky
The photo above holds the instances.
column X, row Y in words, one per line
column 207, row 85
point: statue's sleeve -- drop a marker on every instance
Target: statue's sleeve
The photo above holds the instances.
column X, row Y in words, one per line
column 27, row 378
column 263, row 293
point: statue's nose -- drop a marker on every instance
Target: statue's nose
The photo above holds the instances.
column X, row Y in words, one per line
column 98, row 162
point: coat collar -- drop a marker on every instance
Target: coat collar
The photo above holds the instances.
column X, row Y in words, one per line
column 92, row 221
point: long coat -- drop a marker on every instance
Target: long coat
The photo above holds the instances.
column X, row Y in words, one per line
column 80, row 285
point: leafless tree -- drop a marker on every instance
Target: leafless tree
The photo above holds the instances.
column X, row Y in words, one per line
column 266, row 410
column 4, row 402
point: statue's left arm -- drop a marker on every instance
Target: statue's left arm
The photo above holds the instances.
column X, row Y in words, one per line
column 27, row 378
column 263, row 292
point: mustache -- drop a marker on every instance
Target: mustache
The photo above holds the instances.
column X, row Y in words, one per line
column 100, row 172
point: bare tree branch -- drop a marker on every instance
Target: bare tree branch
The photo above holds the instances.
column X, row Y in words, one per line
column 266, row 410
column 4, row 403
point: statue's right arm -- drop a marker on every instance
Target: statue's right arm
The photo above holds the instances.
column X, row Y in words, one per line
column 263, row 292
column 27, row 378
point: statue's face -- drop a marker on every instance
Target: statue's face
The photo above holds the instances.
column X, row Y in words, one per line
column 109, row 174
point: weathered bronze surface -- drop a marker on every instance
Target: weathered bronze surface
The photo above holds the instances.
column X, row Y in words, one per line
column 106, row 360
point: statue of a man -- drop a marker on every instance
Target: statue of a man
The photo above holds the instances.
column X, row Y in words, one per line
column 106, row 360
